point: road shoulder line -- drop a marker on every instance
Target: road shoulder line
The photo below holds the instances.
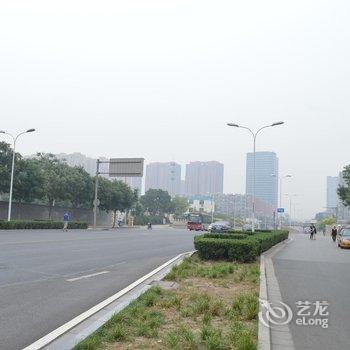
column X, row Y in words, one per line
column 69, row 334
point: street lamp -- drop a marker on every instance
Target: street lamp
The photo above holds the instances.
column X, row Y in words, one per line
column 254, row 158
column 281, row 178
column 13, row 166
column 291, row 207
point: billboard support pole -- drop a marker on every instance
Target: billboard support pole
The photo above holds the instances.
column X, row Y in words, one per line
column 96, row 192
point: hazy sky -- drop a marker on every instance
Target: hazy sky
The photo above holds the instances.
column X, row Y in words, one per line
column 160, row 79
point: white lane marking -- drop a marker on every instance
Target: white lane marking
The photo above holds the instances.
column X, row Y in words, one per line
column 87, row 276
column 49, row 338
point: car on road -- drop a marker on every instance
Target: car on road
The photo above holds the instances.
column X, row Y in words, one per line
column 219, row 226
column 344, row 238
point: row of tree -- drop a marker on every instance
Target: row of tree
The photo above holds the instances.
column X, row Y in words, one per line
column 344, row 191
column 45, row 179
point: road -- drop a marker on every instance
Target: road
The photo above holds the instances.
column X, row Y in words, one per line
column 49, row 277
column 316, row 271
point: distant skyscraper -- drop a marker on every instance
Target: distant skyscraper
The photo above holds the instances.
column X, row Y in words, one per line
column 89, row 164
column 203, row 178
column 266, row 179
column 332, row 188
column 164, row 176
column 78, row 159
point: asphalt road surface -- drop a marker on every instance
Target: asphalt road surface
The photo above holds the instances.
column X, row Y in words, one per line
column 49, row 277
column 316, row 271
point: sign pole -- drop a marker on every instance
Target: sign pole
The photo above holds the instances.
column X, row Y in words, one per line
column 96, row 192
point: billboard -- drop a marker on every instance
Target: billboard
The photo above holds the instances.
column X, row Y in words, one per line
column 126, row 167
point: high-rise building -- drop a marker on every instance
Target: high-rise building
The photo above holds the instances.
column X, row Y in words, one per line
column 266, row 177
column 203, row 178
column 78, row 159
column 241, row 205
column 164, row 176
column 134, row 182
column 332, row 194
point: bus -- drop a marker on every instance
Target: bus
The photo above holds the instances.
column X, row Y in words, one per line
column 195, row 223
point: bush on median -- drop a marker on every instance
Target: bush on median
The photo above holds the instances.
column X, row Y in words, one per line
column 226, row 235
column 39, row 225
column 237, row 247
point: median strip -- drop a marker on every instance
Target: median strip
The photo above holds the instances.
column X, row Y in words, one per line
column 200, row 305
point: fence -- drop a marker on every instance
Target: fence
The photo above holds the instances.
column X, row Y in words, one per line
column 28, row 211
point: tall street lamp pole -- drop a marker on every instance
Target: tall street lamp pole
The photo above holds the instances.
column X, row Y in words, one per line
column 13, row 166
column 290, row 207
column 254, row 134
column 281, row 178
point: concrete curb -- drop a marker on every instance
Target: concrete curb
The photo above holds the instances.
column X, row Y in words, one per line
column 76, row 330
column 279, row 338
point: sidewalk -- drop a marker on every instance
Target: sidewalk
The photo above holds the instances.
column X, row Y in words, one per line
column 314, row 281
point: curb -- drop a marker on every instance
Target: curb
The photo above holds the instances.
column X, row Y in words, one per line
column 79, row 328
column 272, row 338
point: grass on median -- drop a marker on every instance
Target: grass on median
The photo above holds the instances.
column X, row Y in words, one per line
column 214, row 307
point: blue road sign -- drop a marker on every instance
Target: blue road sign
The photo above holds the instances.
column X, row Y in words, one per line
column 280, row 210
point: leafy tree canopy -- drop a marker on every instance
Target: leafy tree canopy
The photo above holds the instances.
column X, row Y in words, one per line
column 344, row 191
column 29, row 180
column 157, row 202
column 179, row 205
column 5, row 166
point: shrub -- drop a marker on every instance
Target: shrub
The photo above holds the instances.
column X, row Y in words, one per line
column 144, row 220
column 226, row 235
column 39, row 225
column 237, row 247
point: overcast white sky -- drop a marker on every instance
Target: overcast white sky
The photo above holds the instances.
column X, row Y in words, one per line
column 160, row 79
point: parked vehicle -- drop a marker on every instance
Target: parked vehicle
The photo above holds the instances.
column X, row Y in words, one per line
column 344, row 238
column 219, row 226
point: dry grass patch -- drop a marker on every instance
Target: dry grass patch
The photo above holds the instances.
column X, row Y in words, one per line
column 214, row 307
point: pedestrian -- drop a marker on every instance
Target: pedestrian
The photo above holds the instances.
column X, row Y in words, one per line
column 324, row 231
column 334, row 233
column 313, row 231
column 66, row 218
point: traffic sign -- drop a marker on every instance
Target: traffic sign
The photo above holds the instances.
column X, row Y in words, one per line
column 280, row 210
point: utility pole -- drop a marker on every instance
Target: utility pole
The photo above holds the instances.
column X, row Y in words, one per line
column 96, row 192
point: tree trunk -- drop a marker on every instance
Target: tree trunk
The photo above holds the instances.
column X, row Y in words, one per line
column 114, row 218
column 50, row 208
column 19, row 206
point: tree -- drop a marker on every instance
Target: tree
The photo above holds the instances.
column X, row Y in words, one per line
column 29, row 180
column 179, row 205
column 5, row 166
column 115, row 196
column 330, row 221
column 344, row 191
column 54, row 179
column 80, row 187
column 156, row 202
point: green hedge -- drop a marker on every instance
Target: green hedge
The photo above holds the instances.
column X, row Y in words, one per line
column 40, row 225
column 237, row 247
column 144, row 220
column 226, row 235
